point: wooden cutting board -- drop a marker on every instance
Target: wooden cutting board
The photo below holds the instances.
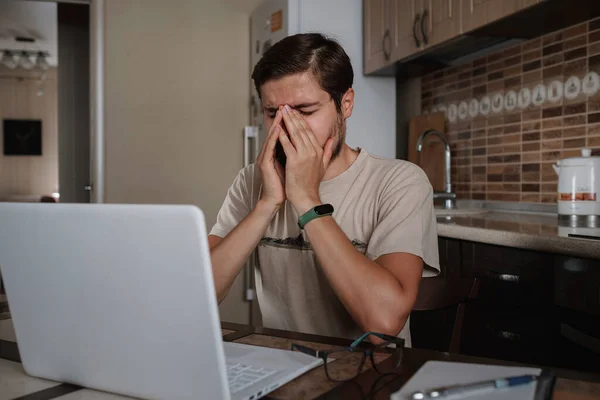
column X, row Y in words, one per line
column 431, row 158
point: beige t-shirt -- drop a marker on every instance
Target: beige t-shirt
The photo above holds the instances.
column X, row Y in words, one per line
column 382, row 205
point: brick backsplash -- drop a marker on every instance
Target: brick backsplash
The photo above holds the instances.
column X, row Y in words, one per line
column 513, row 114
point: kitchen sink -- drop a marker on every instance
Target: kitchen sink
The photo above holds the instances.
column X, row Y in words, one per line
column 459, row 212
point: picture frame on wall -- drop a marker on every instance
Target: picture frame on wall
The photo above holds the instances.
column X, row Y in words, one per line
column 22, row 137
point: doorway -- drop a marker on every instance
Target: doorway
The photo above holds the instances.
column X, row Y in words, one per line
column 63, row 98
column 73, row 22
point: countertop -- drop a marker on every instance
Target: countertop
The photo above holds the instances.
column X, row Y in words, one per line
column 520, row 226
column 312, row 385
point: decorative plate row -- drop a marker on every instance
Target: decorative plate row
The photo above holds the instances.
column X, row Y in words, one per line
column 540, row 95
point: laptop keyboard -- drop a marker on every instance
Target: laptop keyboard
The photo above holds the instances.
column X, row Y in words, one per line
column 241, row 376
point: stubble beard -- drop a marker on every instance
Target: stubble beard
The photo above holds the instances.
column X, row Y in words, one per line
column 339, row 135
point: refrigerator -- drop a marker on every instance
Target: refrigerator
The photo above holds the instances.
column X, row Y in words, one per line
column 372, row 125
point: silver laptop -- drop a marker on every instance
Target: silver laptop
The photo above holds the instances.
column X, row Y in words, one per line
column 120, row 298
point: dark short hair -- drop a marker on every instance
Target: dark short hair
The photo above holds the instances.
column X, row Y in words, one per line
column 314, row 52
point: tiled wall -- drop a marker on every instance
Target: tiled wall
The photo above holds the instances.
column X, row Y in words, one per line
column 512, row 114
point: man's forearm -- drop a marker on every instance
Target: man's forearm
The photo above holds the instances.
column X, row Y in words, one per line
column 229, row 256
column 370, row 293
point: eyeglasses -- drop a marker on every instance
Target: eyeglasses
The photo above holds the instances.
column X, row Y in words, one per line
column 346, row 363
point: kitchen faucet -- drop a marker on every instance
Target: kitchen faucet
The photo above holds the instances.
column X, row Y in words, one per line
column 448, row 197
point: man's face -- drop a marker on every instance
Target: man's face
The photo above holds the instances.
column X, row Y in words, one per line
column 302, row 93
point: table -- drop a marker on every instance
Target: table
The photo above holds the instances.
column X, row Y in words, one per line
column 314, row 384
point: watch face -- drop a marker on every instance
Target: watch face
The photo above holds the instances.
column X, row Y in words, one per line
column 324, row 209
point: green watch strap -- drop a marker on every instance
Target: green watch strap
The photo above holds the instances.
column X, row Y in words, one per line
column 319, row 211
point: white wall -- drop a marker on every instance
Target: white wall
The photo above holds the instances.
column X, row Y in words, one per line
column 177, row 94
column 176, row 101
column 373, row 123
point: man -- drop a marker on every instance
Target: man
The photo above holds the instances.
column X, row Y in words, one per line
column 344, row 274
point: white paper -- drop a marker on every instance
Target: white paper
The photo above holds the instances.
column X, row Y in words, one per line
column 434, row 374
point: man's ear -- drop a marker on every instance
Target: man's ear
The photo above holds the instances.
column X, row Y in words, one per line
column 348, row 103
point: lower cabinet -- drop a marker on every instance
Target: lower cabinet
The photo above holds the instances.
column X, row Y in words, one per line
column 521, row 335
column 526, row 306
column 577, row 342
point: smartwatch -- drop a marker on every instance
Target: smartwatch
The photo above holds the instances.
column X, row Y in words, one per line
column 319, row 211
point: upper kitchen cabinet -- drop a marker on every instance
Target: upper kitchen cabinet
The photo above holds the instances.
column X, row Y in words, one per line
column 392, row 31
column 396, row 29
column 477, row 13
column 410, row 37
column 440, row 20
column 377, row 34
column 406, row 24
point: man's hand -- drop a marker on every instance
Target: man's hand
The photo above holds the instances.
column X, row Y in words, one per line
column 271, row 172
column 306, row 161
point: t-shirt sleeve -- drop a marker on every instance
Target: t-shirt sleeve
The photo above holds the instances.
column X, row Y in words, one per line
column 406, row 221
column 236, row 205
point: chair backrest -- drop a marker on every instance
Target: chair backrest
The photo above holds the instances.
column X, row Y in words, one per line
column 436, row 294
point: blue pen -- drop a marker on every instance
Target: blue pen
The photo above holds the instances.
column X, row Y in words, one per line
column 472, row 388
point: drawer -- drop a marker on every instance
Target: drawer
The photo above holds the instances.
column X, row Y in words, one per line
column 525, row 337
column 577, row 284
column 503, row 290
column 509, row 276
column 478, row 258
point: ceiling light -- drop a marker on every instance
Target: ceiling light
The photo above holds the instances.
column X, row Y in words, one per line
column 41, row 62
column 8, row 59
column 25, row 61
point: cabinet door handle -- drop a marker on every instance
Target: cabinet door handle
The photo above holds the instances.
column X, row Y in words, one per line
column 508, row 335
column 504, row 277
column 387, row 39
column 425, row 15
column 417, row 41
column 502, row 334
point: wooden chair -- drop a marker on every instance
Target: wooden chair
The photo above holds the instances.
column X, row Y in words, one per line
column 442, row 299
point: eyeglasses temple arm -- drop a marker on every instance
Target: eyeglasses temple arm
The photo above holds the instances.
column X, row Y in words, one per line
column 379, row 335
column 305, row 350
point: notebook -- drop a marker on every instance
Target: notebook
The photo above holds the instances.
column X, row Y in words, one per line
column 434, row 374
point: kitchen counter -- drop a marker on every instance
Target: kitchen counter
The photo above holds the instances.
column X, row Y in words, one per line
column 524, row 226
